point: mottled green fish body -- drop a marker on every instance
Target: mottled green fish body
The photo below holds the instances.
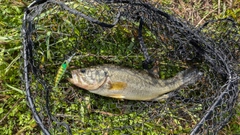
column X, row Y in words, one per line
column 123, row 83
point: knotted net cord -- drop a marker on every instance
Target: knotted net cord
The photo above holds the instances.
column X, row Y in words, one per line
column 112, row 32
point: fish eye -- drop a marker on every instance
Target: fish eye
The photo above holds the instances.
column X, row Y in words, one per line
column 83, row 70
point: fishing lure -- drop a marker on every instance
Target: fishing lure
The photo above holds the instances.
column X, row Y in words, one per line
column 62, row 70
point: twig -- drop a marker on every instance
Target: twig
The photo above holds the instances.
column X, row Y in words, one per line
column 104, row 113
column 204, row 17
column 66, row 115
column 219, row 6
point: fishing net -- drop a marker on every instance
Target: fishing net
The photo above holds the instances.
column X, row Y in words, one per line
column 138, row 35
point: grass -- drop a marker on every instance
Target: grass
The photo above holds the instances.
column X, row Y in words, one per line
column 15, row 116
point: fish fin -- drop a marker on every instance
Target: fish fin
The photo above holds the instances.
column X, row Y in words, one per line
column 191, row 76
column 116, row 96
column 162, row 97
column 117, row 85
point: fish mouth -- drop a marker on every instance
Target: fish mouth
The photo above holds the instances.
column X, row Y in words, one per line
column 76, row 79
column 79, row 80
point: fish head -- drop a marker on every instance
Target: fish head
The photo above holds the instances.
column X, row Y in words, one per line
column 89, row 78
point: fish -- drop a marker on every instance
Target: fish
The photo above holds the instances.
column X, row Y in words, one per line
column 125, row 83
column 62, row 69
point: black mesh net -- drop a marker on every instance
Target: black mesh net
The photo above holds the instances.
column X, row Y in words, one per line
column 134, row 34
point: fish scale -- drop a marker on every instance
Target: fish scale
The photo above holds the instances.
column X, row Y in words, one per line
column 124, row 83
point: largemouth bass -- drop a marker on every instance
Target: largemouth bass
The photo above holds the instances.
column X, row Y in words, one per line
column 123, row 83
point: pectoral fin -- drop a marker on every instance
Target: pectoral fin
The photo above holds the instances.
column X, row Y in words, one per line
column 116, row 96
column 162, row 97
column 117, row 85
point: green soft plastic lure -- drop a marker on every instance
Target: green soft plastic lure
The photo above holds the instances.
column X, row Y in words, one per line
column 62, row 70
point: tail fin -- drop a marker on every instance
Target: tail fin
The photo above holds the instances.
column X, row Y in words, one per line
column 190, row 76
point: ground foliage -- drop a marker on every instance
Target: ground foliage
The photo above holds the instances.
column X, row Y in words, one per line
column 14, row 109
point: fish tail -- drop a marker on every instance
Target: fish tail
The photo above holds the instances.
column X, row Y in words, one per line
column 190, row 76
column 186, row 77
